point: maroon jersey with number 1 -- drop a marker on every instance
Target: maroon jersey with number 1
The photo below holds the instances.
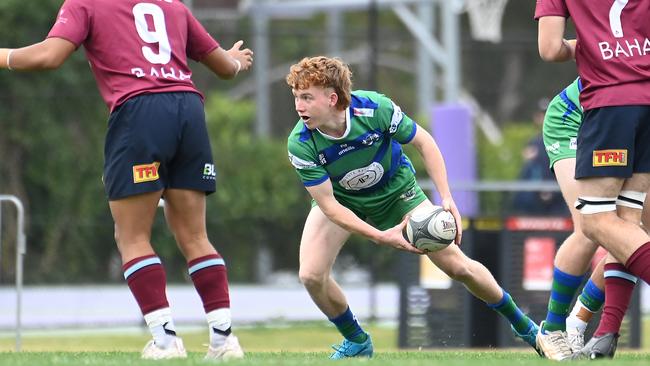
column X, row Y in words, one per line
column 613, row 50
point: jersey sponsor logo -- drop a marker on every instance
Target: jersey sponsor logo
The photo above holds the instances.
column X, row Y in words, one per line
column 371, row 139
column 553, row 148
column 613, row 157
column 396, row 119
column 363, row 112
column 146, row 172
column 408, row 195
column 573, row 143
column 209, row 172
column 362, row 178
column 61, row 19
column 345, row 148
column 322, row 159
column 625, row 49
column 299, row 163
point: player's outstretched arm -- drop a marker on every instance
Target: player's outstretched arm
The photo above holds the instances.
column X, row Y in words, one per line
column 550, row 40
column 437, row 171
column 323, row 194
column 228, row 63
column 46, row 55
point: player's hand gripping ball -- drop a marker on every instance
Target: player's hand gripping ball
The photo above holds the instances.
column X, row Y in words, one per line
column 430, row 229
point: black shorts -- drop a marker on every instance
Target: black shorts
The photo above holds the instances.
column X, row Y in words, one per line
column 614, row 142
column 158, row 141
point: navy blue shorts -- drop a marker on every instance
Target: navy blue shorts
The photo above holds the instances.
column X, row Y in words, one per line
column 158, row 141
column 614, row 142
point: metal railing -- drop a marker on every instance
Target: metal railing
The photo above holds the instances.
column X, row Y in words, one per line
column 21, row 248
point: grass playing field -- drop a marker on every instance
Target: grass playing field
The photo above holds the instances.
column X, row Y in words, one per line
column 291, row 345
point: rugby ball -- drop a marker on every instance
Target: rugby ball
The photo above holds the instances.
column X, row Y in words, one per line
column 430, row 229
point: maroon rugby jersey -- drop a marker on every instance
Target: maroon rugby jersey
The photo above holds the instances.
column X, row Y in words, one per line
column 135, row 46
column 613, row 50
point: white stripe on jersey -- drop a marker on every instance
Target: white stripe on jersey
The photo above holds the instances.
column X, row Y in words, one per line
column 301, row 163
column 396, row 119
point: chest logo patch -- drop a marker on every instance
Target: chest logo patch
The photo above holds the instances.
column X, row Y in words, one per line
column 362, row 178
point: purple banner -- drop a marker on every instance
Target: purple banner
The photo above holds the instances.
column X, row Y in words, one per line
column 453, row 129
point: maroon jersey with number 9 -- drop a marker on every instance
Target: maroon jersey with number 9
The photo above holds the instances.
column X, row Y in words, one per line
column 135, row 46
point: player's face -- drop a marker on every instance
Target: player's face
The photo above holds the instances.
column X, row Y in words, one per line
column 315, row 105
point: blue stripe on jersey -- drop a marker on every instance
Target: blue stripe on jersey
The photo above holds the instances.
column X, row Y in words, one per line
column 139, row 265
column 395, row 159
column 335, row 152
column 412, row 135
column 361, row 102
column 579, row 85
column 305, row 134
column 407, row 163
column 571, row 107
column 205, row 264
column 316, row 182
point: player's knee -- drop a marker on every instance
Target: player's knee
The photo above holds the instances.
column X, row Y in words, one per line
column 592, row 226
column 461, row 272
column 595, row 214
column 583, row 241
column 311, row 279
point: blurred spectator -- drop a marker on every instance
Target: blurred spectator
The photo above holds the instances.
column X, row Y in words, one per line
column 536, row 168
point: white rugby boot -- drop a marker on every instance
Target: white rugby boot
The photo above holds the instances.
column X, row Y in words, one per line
column 175, row 350
column 576, row 339
column 228, row 351
column 553, row 344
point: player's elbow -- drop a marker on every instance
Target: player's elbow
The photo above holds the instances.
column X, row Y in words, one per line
column 550, row 51
column 50, row 64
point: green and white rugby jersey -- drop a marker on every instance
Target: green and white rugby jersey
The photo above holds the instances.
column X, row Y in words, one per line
column 366, row 166
column 561, row 123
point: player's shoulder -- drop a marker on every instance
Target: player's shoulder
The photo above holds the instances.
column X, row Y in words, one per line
column 366, row 103
column 299, row 136
column 368, row 98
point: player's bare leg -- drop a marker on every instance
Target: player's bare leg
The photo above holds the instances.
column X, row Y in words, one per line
column 620, row 237
column 144, row 272
column 319, row 246
column 619, row 280
column 479, row 282
column 185, row 212
column 572, row 260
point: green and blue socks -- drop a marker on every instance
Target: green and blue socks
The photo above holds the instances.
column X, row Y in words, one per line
column 589, row 302
column 509, row 310
column 562, row 291
column 349, row 327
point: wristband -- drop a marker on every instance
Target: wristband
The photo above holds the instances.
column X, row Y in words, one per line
column 236, row 61
column 9, row 59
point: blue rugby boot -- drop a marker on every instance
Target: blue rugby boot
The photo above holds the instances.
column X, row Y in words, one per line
column 529, row 336
column 350, row 349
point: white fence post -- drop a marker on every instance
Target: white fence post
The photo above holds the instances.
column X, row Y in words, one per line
column 21, row 248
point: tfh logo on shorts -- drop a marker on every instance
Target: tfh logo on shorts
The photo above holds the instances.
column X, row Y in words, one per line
column 145, row 172
column 209, row 172
column 610, row 157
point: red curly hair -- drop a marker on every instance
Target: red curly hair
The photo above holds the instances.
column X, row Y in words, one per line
column 324, row 72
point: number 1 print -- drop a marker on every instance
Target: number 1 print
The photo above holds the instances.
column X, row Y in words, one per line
column 615, row 17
